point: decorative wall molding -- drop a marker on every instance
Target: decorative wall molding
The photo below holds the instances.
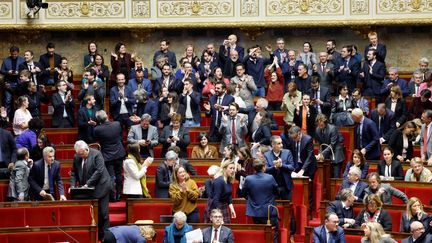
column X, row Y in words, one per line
column 249, row 8
column 141, row 9
column 197, row 8
column 359, row 7
column 304, row 7
column 404, row 6
column 6, row 10
column 85, row 9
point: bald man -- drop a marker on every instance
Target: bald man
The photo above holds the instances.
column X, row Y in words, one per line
column 366, row 136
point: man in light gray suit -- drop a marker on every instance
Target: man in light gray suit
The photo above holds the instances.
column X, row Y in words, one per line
column 425, row 141
column 217, row 232
column 145, row 134
column 233, row 127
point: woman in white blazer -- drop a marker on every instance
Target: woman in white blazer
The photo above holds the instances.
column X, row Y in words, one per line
column 135, row 173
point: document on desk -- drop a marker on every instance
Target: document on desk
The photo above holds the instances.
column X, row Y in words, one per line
column 194, row 235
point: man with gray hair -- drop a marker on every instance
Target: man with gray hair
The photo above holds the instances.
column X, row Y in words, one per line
column 164, row 175
column 418, row 233
column 145, row 135
column 343, row 208
column 393, row 80
column 260, row 105
column 110, row 137
column 88, row 171
column 366, row 135
column 424, row 70
column 45, row 176
column 354, row 184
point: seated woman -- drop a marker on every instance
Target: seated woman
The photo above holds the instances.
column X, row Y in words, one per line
column 400, row 141
column 170, row 108
column 305, row 115
column 390, row 169
column 176, row 232
column 175, row 134
column 373, row 212
column 42, row 142
column 184, row 191
column 357, row 159
column 135, row 169
column 342, row 107
column 374, row 233
column 414, row 212
column 203, row 150
column 418, row 172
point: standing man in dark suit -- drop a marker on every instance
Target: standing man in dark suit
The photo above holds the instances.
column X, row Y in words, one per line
column 45, row 177
column 330, row 231
column 110, row 137
column 164, row 175
column 325, row 70
column 191, row 100
column 8, row 149
column 231, row 44
column 35, row 68
column 233, row 128
column 218, row 104
column 320, row 96
column 261, row 191
column 373, row 74
column 347, row 69
column 328, row 134
column 63, row 104
column 88, row 170
column 217, row 232
column 122, row 102
column 49, row 62
column 384, row 121
column 343, row 208
column 378, row 47
column 354, row 184
column 366, row 135
column 87, row 120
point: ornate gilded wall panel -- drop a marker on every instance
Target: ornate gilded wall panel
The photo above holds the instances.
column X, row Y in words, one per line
column 304, row 7
column 6, row 10
column 249, row 8
column 87, row 9
column 141, row 9
column 199, row 8
column 359, row 7
column 404, row 6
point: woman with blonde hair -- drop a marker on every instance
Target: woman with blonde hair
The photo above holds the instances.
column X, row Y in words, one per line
column 290, row 101
column 221, row 196
column 414, row 212
column 374, row 233
column 418, row 172
column 184, row 191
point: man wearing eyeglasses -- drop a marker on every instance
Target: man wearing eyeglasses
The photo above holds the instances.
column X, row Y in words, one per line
column 418, row 233
column 330, row 231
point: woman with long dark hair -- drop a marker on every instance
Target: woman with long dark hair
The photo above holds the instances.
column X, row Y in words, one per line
column 170, row 108
column 135, row 169
column 400, row 141
column 121, row 62
column 357, row 159
column 244, row 168
column 203, row 150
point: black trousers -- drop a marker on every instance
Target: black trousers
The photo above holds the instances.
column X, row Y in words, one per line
column 109, row 237
column 115, row 168
column 103, row 216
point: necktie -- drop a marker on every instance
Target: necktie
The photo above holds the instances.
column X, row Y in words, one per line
column 387, row 173
column 346, row 63
column 425, row 140
column 84, row 172
column 379, row 126
column 359, row 136
column 31, row 74
column 298, row 152
column 322, row 67
column 215, row 237
column 233, row 132
column 50, row 180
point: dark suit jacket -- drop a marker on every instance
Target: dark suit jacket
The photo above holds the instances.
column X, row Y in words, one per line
column 331, row 136
column 411, row 88
column 320, row 235
column 239, row 49
column 417, row 107
column 370, row 139
column 35, row 100
column 116, row 66
column 165, row 110
column 45, row 63
column 358, row 192
column 251, row 112
column 405, row 224
column 184, row 141
column 384, row 219
column 260, row 190
column 396, row 169
column 388, row 124
column 288, row 166
column 195, row 106
column 325, row 97
column 97, row 175
column 202, row 71
column 85, row 130
column 349, row 78
column 400, row 112
column 225, row 236
column 39, row 76
column 8, row 146
column 157, row 86
column 373, row 82
column 262, row 135
column 163, row 180
column 396, row 143
column 343, row 213
column 37, row 176
column 59, row 106
column 7, row 66
column 150, row 108
column 310, row 119
column 227, row 99
column 110, row 137
column 188, row 166
column 381, row 52
column 115, row 102
column 424, row 238
column 326, row 78
column 307, row 156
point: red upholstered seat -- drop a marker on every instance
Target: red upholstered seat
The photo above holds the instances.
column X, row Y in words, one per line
column 12, row 217
column 25, row 237
column 41, row 216
column 153, row 212
column 68, row 215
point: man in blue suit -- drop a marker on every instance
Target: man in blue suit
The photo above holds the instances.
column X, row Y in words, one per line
column 217, row 232
column 366, row 137
column 394, row 79
column 354, row 183
column 347, row 69
column 44, row 174
column 122, row 101
column 218, row 104
column 373, row 74
column 374, row 45
column 385, row 122
column 343, row 208
column 261, row 190
column 330, row 231
column 139, row 82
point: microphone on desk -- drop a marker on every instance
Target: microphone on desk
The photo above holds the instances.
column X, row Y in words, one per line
column 268, row 213
column 54, row 219
column 328, row 146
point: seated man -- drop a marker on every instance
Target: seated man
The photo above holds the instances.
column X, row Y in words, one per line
column 45, row 177
column 354, row 183
column 343, row 208
column 330, row 231
column 217, row 232
column 385, row 191
column 418, row 234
